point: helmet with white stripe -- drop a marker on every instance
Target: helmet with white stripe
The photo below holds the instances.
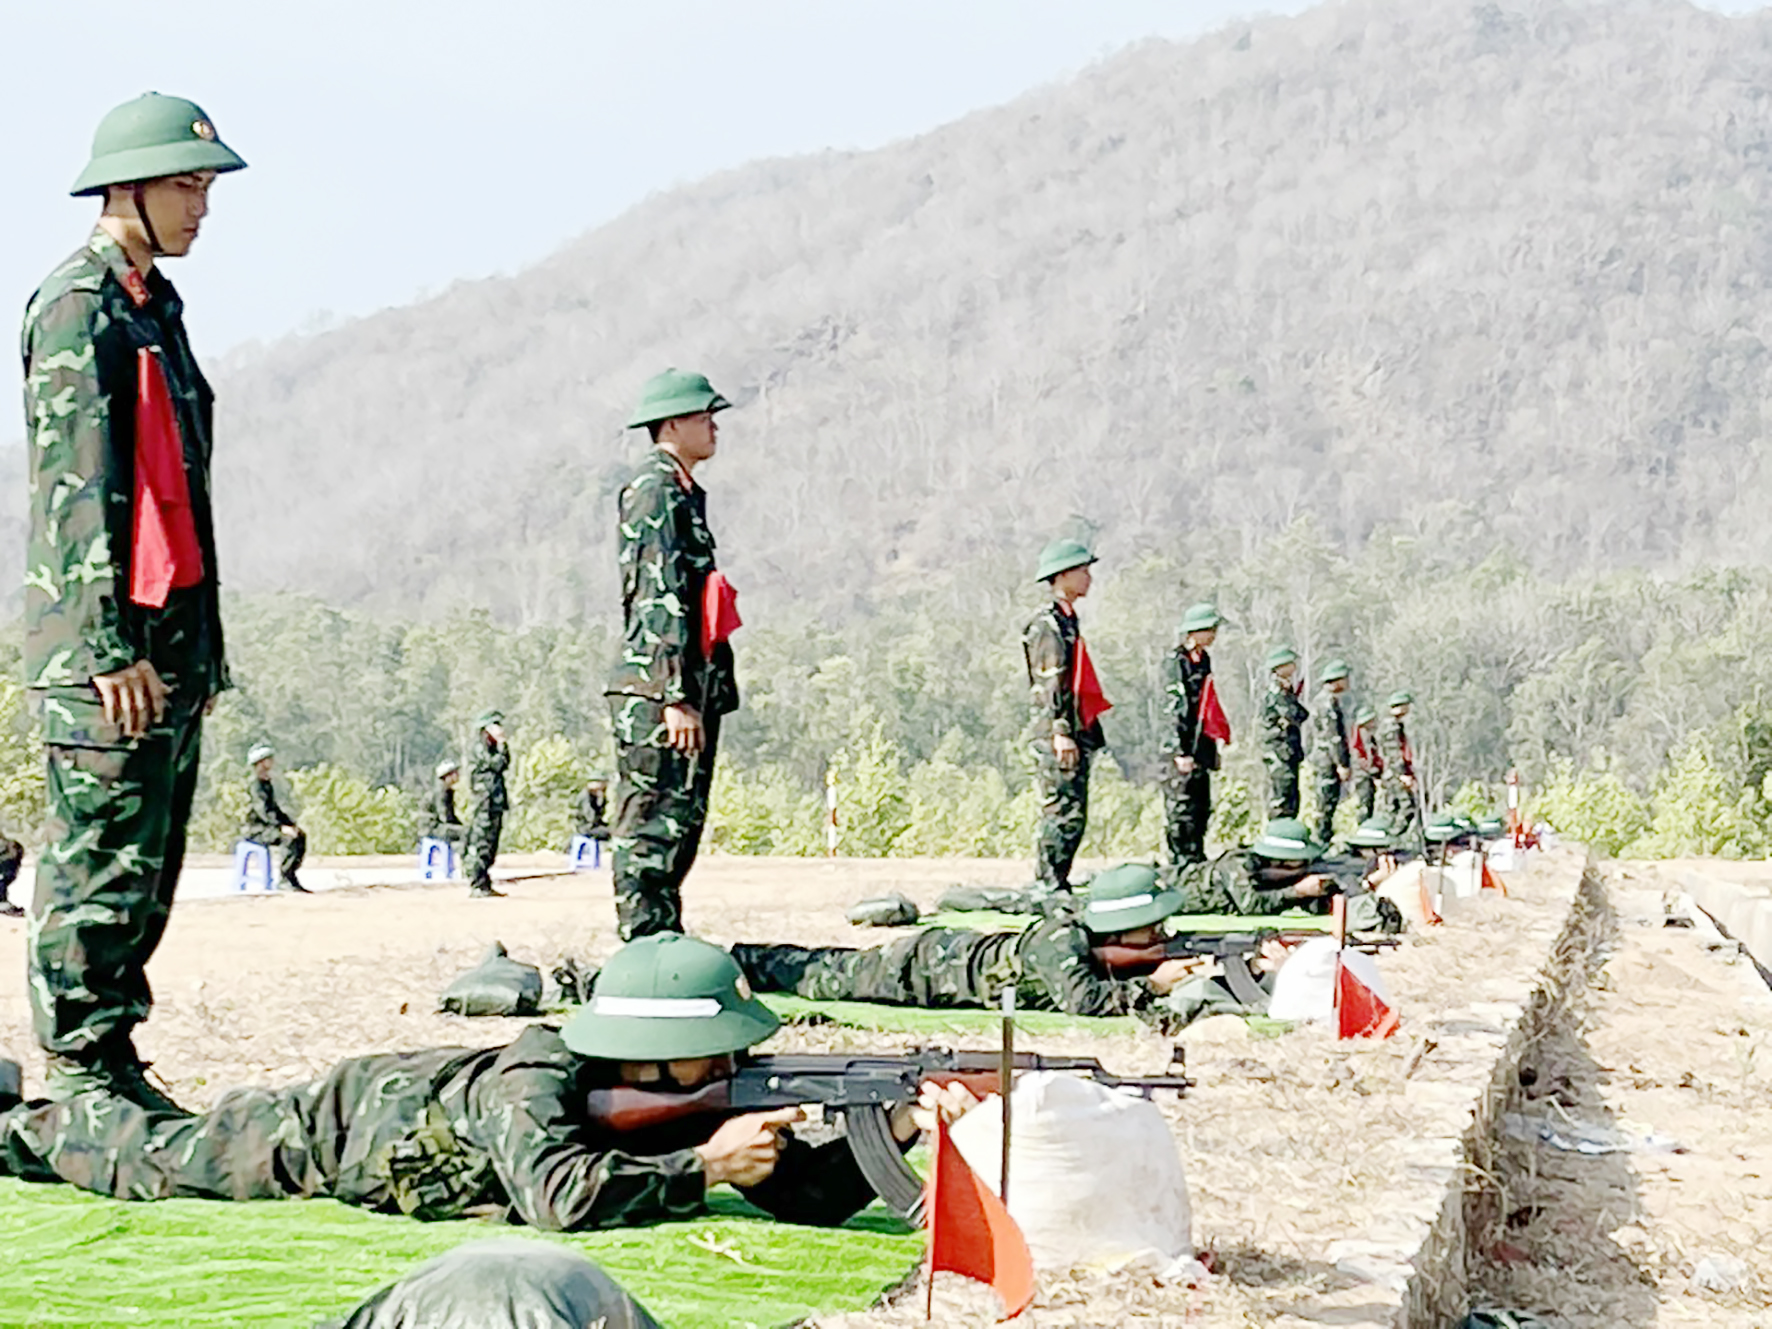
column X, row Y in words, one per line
column 668, row 997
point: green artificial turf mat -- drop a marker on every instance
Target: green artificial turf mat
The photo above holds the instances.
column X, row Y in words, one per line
column 73, row 1259
column 917, row 1020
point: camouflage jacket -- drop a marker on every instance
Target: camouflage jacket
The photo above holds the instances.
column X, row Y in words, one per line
column 436, row 1134
column 486, row 777
column 1283, row 718
column 1049, row 644
column 1051, row 965
column 667, row 552
column 1329, row 749
column 438, row 810
column 1182, row 690
column 263, row 814
column 1237, row 882
column 591, row 814
column 1393, row 746
column 82, row 331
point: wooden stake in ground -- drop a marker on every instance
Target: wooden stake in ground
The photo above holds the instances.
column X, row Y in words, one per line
column 1005, row 1083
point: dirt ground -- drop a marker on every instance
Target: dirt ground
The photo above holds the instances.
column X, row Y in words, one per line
column 1286, row 1140
column 1673, row 1039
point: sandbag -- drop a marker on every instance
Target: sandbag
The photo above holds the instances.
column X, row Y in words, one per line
column 508, row 1283
column 1094, row 1176
column 885, row 911
column 498, row 985
column 1304, row 988
column 998, row 899
column 1418, row 893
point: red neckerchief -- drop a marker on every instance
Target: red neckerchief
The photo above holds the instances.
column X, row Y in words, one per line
column 164, row 551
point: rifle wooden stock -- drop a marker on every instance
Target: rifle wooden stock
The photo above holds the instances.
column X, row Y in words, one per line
column 630, row 1108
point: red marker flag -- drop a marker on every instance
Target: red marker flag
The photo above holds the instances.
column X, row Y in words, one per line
column 719, row 611
column 971, row 1233
column 1213, row 723
column 1493, row 882
column 163, row 553
column 1092, row 702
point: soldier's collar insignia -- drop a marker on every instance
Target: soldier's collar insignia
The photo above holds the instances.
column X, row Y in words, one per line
column 203, row 130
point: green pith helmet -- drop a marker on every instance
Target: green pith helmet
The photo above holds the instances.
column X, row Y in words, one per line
column 1062, row 556
column 1201, row 618
column 1401, row 699
column 1279, row 656
column 673, row 393
column 1286, row 840
column 668, row 997
column 1374, row 833
column 1491, row 828
column 258, row 753
column 1128, row 897
column 150, row 137
column 1364, row 715
column 1334, row 670
column 1443, row 829
column 489, row 718
column 447, row 767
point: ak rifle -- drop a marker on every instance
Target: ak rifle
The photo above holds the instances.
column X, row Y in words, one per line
column 1234, row 951
column 862, row 1090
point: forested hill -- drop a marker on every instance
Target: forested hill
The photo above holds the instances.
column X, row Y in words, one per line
column 1496, row 271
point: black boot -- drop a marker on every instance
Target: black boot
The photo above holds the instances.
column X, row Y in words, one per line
column 12, row 1084
column 112, row 1068
column 483, row 890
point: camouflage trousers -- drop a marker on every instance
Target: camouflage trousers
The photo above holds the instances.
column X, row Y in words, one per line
column 1365, row 793
column 1282, row 777
column 1064, row 813
column 1328, row 799
column 291, row 852
column 937, row 968
column 1187, row 807
column 480, row 844
column 661, row 805
column 114, row 846
column 1400, row 808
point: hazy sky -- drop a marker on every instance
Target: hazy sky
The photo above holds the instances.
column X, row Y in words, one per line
column 397, row 145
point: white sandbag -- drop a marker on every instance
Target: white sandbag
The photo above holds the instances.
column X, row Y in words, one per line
column 1304, row 988
column 1463, row 875
column 1502, row 855
column 1419, row 892
column 1094, row 1176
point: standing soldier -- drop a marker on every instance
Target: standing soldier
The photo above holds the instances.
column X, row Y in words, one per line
column 123, row 640
column 1282, row 732
column 267, row 824
column 486, row 777
column 1329, row 747
column 1368, row 762
column 1399, row 767
column 438, row 819
column 674, row 678
column 1066, row 704
column 1200, row 726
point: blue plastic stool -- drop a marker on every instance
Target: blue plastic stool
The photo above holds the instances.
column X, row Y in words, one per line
column 252, row 866
column 436, row 860
column 586, row 854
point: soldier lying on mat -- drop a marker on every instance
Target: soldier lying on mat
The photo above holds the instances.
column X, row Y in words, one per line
column 444, row 1133
column 1054, row 965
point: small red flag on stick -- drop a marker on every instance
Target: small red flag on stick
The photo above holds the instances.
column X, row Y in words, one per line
column 1213, row 723
column 971, row 1233
column 1359, row 1011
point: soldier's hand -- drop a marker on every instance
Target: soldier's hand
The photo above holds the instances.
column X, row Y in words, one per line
column 1065, row 749
column 1342, row 773
column 133, row 698
column 949, row 1102
column 743, row 1152
column 1185, row 765
column 1311, row 887
column 1171, row 973
column 1408, row 782
column 683, row 729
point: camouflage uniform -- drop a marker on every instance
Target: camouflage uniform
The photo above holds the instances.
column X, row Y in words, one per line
column 591, row 815
column 1051, row 966
column 1238, row 882
column 1187, row 799
column 1329, row 757
column 667, row 554
column 1283, row 718
column 436, row 1135
column 486, row 778
column 265, row 821
column 117, row 806
column 1050, row 646
column 12, row 858
column 1368, row 769
column 1400, row 807
column 438, row 820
